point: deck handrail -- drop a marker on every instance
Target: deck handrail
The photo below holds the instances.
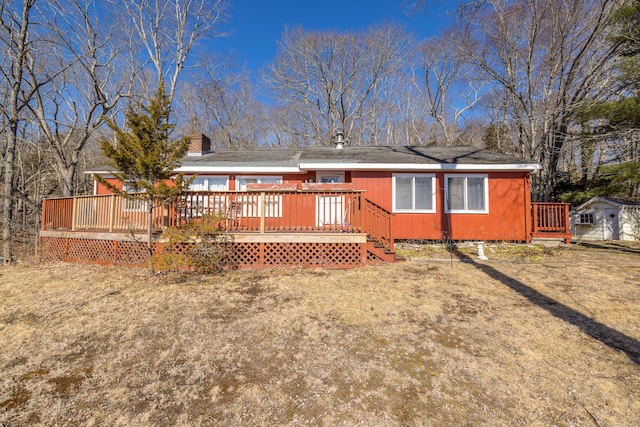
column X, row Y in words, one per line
column 108, row 212
column 240, row 211
column 276, row 211
column 550, row 217
column 377, row 223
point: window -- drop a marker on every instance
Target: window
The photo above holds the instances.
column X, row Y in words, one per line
column 133, row 204
column 242, row 181
column 199, row 204
column 251, row 204
column 585, row 219
column 209, row 183
column 467, row 194
column 414, row 193
column 330, row 176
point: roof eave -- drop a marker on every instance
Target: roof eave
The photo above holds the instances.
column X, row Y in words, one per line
column 530, row 167
column 238, row 169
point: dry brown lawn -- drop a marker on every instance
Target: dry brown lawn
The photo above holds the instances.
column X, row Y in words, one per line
column 531, row 337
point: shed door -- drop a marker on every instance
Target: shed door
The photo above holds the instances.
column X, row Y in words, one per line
column 611, row 224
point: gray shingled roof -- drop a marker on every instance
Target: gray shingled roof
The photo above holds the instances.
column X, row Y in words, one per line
column 610, row 200
column 407, row 155
column 252, row 158
column 398, row 155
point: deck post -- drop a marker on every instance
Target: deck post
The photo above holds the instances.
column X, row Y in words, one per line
column 43, row 216
column 263, row 205
column 261, row 254
column 112, row 212
column 391, row 238
column 567, row 226
column 74, row 214
column 65, row 255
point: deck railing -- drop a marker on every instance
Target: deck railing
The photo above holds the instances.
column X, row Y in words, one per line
column 276, row 211
column 57, row 214
column 102, row 213
column 377, row 223
column 550, row 220
column 240, row 211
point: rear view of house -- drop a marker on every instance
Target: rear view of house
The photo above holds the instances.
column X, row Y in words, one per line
column 367, row 196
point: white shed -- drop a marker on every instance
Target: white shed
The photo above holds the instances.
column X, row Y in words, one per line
column 606, row 218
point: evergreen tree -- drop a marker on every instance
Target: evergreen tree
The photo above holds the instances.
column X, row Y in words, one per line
column 616, row 119
column 143, row 159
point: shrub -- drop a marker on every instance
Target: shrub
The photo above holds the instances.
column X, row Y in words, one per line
column 197, row 245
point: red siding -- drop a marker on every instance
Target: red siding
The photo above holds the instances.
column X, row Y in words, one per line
column 377, row 186
column 509, row 206
column 508, row 217
column 291, row 178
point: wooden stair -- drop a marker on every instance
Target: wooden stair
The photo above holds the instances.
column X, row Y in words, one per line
column 377, row 222
column 379, row 253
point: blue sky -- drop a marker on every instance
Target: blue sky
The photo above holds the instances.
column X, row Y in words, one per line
column 257, row 25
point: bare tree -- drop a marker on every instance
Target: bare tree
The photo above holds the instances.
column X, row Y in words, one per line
column 542, row 59
column 333, row 81
column 87, row 90
column 15, row 25
column 168, row 30
column 446, row 85
column 220, row 102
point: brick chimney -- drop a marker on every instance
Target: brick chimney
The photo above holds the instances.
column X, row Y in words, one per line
column 200, row 144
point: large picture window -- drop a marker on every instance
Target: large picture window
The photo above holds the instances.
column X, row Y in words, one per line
column 467, row 193
column 414, row 193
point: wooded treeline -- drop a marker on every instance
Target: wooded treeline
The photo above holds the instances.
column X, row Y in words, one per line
column 553, row 81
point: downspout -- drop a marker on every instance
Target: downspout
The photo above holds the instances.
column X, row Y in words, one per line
column 527, row 208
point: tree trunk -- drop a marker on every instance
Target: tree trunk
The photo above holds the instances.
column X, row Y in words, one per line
column 17, row 71
column 149, row 232
column 7, row 196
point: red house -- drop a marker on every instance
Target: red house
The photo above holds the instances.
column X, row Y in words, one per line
column 366, row 197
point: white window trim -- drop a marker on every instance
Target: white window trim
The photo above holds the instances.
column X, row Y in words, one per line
column 256, row 177
column 433, row 193
column 322, row 174
column 466, row 211
column 133, row 205
column 225, row 177
column 580, row 216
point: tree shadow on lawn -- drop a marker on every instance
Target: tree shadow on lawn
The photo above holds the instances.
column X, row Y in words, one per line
column 610, row 246
column 597, row 330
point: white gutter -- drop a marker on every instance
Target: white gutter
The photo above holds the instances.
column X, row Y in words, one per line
column 304, row 167
column 240, row 169
column 420, row 167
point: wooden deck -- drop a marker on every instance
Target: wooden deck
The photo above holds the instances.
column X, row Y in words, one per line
column 264, row 228
column 551, row 221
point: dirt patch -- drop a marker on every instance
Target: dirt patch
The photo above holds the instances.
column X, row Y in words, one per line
column 545, row 337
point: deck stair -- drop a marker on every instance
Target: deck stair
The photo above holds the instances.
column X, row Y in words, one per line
column 378, row 253
column 378, row 225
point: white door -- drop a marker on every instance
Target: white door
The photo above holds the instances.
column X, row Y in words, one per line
column 610, row 223
column 330, row 209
